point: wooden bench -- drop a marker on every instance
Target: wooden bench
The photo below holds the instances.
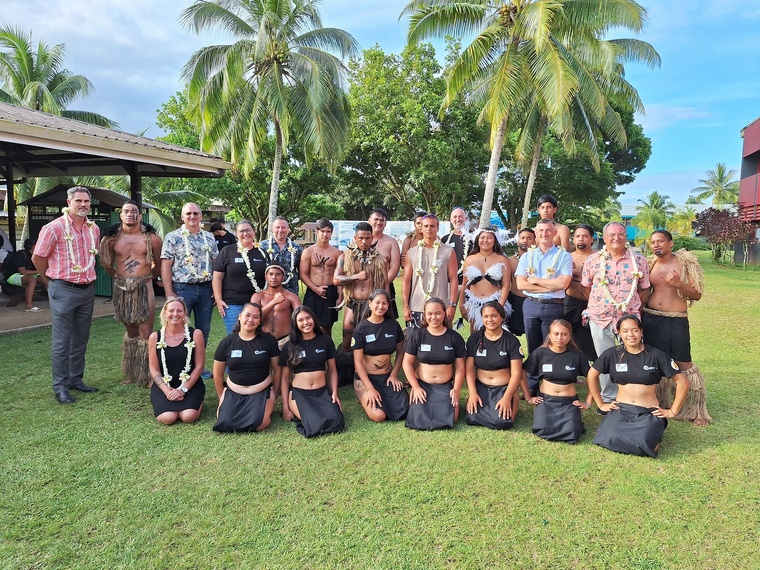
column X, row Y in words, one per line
column 16, row 293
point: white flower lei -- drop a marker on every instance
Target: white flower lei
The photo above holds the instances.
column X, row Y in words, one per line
column 244, row 252
column 69, row 239
column 190, row 260
column 551, row 270
column 466, row 243
column 161, row 345
column 604, row 255
column 290, row 248
column 433, row 266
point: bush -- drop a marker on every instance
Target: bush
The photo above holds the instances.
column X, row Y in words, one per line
column 690, row 243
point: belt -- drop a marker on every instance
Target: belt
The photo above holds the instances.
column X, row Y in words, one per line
column 547, row 301
column 74, row 285
column 193, row 283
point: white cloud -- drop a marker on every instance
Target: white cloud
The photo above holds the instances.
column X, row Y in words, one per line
column 659, row 116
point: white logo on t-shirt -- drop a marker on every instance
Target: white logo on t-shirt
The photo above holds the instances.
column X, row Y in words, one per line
column 569, row 368
column 259, row 351
column 502, row 353
column 389, row 335
column 319, row 350
column 447, row 347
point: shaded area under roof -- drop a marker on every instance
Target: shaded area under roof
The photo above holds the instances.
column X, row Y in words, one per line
column 57, row 196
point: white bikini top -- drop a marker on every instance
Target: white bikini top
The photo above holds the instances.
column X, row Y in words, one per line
column 493, row 274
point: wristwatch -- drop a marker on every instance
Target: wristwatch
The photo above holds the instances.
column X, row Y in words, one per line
column 182, row 388
column 452, row 304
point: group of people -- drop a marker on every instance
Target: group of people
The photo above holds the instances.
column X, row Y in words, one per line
column 569, row 306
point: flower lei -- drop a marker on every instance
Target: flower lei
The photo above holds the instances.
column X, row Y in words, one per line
column 69, row 239
column 551, row 270
column 244, row 252
column 190, row 260
column 433, row 266
column 466, row 243
column 290, row 248
column 604, row 255
column 161, row 345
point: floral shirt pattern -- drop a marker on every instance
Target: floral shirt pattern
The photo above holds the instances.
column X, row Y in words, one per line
column 196, row 271
column 283, row 257
column 619, row 275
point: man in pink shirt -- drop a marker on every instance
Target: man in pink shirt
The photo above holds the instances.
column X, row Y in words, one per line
column 65, row 257
column 615, row 276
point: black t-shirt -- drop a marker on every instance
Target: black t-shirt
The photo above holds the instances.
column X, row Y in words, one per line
column 431, row 349
column 646, row 367
column 314, row 354
column 237, row 288
column 247, row 360
column 494, row 354
column 559, row 368
column 377, row 339
column 19, row 259
column 224, row 240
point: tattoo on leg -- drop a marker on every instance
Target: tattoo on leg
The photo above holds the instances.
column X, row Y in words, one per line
column 359, row 389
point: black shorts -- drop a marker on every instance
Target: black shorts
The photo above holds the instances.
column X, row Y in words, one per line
column 516, row 325
column 321, row 306
column 669, row 334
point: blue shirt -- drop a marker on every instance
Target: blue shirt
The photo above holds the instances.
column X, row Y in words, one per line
column 556, row 260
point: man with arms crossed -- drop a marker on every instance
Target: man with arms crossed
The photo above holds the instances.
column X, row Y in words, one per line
column 525, row 239
column 543, row 274
column 422, row 281
column 65, row 256
column 361, row 270
column 317, row 271
column 130, row 253
column 677, row 281
column 389, row 249
column 615, row 277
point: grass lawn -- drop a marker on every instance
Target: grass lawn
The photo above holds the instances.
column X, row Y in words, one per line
column 101, row 484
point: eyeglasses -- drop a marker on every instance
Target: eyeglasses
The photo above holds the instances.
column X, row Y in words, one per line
column 170, row 299
column 245, row 231
column 433, row 216
column 192, row 213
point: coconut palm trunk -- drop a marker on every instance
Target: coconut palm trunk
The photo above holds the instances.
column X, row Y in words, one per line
column 493, row 170
column 274, row 190
column 532, row 174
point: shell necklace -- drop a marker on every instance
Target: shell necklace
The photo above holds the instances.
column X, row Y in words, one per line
column 290, row 249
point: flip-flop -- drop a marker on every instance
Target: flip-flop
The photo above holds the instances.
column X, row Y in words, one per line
column 33, row 310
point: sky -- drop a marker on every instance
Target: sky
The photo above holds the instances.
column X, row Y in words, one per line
column 706, row 90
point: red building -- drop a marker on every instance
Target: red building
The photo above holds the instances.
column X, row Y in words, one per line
column 749, row 185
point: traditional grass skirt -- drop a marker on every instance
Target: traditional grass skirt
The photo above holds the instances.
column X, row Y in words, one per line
column 131, row 303
column 556, row 419
column 487, row 415
column 631, row 429
column 437, row 412
column 319, row 415
column 395, row 405
column 242, row 412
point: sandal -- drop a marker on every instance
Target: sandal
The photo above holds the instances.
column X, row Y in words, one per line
column 33, row 310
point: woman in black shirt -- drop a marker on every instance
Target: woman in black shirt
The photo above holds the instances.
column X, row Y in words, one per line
column 238, row 274
column 374, row 341
column 494, row 371
column 437, row 380
column 635, row 422
column 306, row 355
column 250, row 357
column 557, row 363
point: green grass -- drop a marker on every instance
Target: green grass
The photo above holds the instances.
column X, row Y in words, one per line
column 101, row 484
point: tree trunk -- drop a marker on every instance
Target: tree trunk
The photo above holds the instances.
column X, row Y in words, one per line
column 532, row 175
column 274, row 191
column 493, row 170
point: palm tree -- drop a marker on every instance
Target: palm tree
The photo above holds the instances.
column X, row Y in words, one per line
column 680, row 222
column 653, row 214
column 37, row 79
column 280, row 75
column 530, row 58
column 719, row 185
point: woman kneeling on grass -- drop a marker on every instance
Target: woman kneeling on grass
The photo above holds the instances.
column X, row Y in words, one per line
column 494, row 371
column 250, row 356
column 438, row 378
column 376, row 382
column 635, row 423
column 558, row 363
column 176, row 355
column 306, row 396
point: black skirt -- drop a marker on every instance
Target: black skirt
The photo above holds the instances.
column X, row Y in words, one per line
column 319, row 415
column 241, row 412
column 193, row 400
column 631, row 429
column 556, row 419
column 487, row 416
column 437, row 412
column 394, row 404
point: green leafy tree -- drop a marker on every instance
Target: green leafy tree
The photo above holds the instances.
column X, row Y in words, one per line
column 719, row 187
column 681, row 222
column 530, row 58
column 401, row 154
column 280, row 75
column 652, row 214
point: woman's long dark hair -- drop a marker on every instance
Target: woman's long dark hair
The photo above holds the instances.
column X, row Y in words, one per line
column 257, row 332
column 442, row 303
column 620, row 349
column 372, row 296
column 499, row 308
column 296, row 336
column 496, row 245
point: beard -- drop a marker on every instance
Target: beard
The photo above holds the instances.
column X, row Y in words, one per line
column 81, row 213
column 658, row 253
column 580, row 246
column 523, row 246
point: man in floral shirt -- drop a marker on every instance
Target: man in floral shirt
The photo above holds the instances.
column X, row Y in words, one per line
column 615, row 275
column 186, row 268
column 284, row 252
